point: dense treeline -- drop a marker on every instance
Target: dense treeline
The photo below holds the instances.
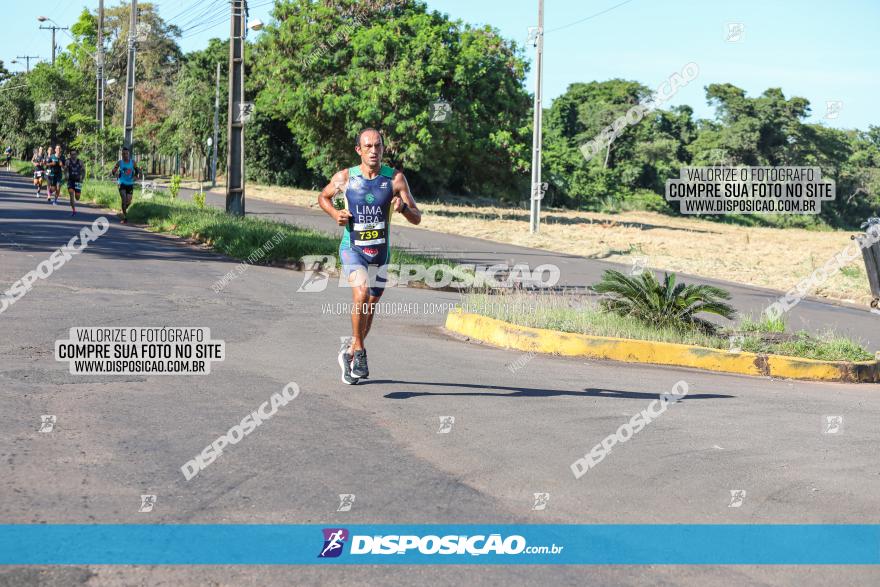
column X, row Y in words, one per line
column 322, row 70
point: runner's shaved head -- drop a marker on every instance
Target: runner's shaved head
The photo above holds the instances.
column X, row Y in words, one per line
column 357, row 141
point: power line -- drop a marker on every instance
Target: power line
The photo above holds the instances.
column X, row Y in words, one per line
column 600, row 13
column 210, row 11
column 183, row 13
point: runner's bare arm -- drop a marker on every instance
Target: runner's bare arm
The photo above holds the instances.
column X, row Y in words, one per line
column 402, row 195
column 325, row 198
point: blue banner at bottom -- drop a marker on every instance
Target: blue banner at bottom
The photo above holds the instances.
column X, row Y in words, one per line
column 227, row 544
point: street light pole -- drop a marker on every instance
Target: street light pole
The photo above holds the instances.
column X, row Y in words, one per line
column 537, row 191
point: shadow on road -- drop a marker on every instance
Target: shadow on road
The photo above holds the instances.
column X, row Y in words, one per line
column 528, row 391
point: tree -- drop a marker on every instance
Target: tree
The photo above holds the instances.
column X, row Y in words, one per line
column 641, row 157
column 331, row 68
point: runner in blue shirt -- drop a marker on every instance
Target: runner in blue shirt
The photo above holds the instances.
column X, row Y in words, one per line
column 371, row 191
column 126, row 171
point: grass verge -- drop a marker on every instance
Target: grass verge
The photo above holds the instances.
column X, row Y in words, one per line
column 233, row 236
column 572, row 314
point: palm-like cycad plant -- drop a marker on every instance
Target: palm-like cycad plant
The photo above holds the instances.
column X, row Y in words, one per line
column 663, row 304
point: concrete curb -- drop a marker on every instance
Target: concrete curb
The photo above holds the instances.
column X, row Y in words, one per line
column 524, row 338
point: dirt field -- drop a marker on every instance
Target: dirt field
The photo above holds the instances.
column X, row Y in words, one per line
column 769, row 257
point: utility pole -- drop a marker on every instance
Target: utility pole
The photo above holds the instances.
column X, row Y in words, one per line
column 27, row 59
column 99, row 62
column 537, row 189
column 53, row 28
column 216, row 128
column 235, row 126
column 128, row 121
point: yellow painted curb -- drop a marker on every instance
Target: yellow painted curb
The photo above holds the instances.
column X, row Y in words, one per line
column 524, row 338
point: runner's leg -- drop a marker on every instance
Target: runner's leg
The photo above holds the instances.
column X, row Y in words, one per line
column 360, row 311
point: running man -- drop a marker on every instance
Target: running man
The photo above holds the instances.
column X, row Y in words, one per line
column 76, row 174
column 37, row 162
column 371, row 191
column 56, row 165
column 8, row 154
column 125, row 170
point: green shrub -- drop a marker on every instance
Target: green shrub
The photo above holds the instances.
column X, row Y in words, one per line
column 199, row 199
column 664, row 304
column 174, row 188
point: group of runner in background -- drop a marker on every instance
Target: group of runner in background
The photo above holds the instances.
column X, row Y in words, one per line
column 51, row 166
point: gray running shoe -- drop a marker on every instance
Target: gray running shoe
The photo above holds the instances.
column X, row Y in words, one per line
column 359, row 367
column 345, row 365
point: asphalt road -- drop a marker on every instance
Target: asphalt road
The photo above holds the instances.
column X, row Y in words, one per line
column 118, row 437
column 811, row 314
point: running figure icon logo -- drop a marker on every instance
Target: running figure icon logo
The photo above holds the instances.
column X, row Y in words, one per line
column 316, row 272
column 541, row 501
column 832, row 424
column 737, row 497
column 346, row 501
column 446, row 424
column 47, row 423
column 334, row 540
column 147, row 503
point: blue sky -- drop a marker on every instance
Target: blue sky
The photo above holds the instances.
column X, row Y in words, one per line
column 823, row 51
